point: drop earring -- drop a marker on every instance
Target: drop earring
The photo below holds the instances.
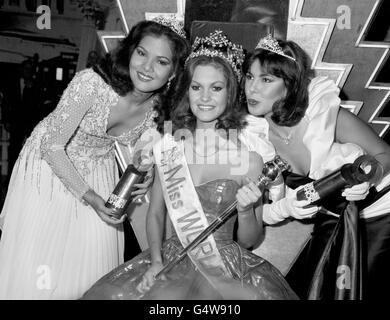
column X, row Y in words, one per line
column 168, row 84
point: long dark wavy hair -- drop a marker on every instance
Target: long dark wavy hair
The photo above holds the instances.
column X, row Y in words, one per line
column 296, row 76
column 182, row 116
column 114, row 68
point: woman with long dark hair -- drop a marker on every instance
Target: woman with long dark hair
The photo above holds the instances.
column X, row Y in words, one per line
column 58, row 236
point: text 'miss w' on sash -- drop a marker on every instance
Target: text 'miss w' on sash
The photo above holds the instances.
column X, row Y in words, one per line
column 184, row 207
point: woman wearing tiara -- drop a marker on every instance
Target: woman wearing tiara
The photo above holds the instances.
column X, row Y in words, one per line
column 301, row 116
column 58, row 237
column 200, row 170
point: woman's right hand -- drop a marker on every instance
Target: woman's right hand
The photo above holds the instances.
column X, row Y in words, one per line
column 98, row 204
column 300, row 209
column 149, row 277
column 289, row 206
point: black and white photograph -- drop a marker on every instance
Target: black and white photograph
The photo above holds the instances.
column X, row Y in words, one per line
column 194, row 150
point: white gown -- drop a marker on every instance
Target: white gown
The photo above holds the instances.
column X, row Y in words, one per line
column 54, row 245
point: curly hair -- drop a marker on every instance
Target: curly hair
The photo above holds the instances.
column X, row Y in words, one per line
column 114, row 68
column 182, row 116
column 296, row 76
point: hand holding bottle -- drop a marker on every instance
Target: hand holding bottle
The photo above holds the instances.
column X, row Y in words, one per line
column 287, row 207
column 143, row 188
column 98, row 204
column 356, row 192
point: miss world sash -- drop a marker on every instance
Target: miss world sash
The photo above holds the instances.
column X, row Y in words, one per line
column 184, row 207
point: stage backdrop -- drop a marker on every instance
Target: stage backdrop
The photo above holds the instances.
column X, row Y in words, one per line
column 270, row 12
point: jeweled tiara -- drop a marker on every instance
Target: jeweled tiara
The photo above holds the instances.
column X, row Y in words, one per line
column 173, row 23
column 216, row 44
column 271, row 44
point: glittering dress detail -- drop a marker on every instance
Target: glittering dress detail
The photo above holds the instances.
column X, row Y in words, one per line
column 54, row 245
column 252, row 277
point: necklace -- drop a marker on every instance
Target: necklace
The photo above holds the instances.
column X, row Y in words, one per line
column 285, row 139
column 206, row 155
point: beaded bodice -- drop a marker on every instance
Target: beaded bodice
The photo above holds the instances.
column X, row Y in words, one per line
column 73, row 138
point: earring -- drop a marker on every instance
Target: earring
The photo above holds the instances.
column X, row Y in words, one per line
column 168, row 84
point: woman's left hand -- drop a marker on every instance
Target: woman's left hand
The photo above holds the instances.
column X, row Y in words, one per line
column 142, row 188
column 247, row 196
column 356, row 192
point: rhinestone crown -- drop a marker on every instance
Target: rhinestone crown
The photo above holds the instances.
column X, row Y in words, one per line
column 216, row 44
column 271, row 44
column 173, row 23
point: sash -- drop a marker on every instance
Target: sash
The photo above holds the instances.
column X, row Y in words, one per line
column 185, row 209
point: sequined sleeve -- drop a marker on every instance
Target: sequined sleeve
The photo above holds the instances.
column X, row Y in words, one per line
column 76, row 100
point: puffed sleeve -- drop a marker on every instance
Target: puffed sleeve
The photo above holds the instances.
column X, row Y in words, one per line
column 321, row 115
column 76, row 100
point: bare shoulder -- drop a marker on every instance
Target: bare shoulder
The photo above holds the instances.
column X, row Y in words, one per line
column 255, row 164
column 348, row 118
column 350, row 128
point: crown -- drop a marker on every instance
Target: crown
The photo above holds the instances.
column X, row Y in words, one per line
column 216, row 44
column 173, row 23
column 271, row 44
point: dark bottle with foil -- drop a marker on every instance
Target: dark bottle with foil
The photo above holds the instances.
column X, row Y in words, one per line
column 121, row 197
column 365, row 168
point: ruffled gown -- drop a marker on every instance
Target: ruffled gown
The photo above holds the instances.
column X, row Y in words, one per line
column 251, row 277
column 285, row 242
column 54, row 245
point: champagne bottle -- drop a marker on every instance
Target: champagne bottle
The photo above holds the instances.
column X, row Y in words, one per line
column 364, row 169
column 135, row 173
column 121, row 197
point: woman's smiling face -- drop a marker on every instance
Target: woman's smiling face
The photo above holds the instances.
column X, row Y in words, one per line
column 151, row 63
column 208, row 93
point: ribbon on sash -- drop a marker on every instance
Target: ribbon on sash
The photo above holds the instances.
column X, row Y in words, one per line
column 185, row 209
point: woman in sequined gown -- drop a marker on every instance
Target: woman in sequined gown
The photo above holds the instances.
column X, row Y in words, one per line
column 58, row 238
column 207, row 103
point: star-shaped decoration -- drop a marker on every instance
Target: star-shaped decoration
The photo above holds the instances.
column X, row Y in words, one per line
column 109, row 39
column 375, row 118
column 313, row 35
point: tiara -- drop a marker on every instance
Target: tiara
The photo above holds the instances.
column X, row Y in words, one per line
column 216, row 44
column 271, row 44
column 172, row 23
